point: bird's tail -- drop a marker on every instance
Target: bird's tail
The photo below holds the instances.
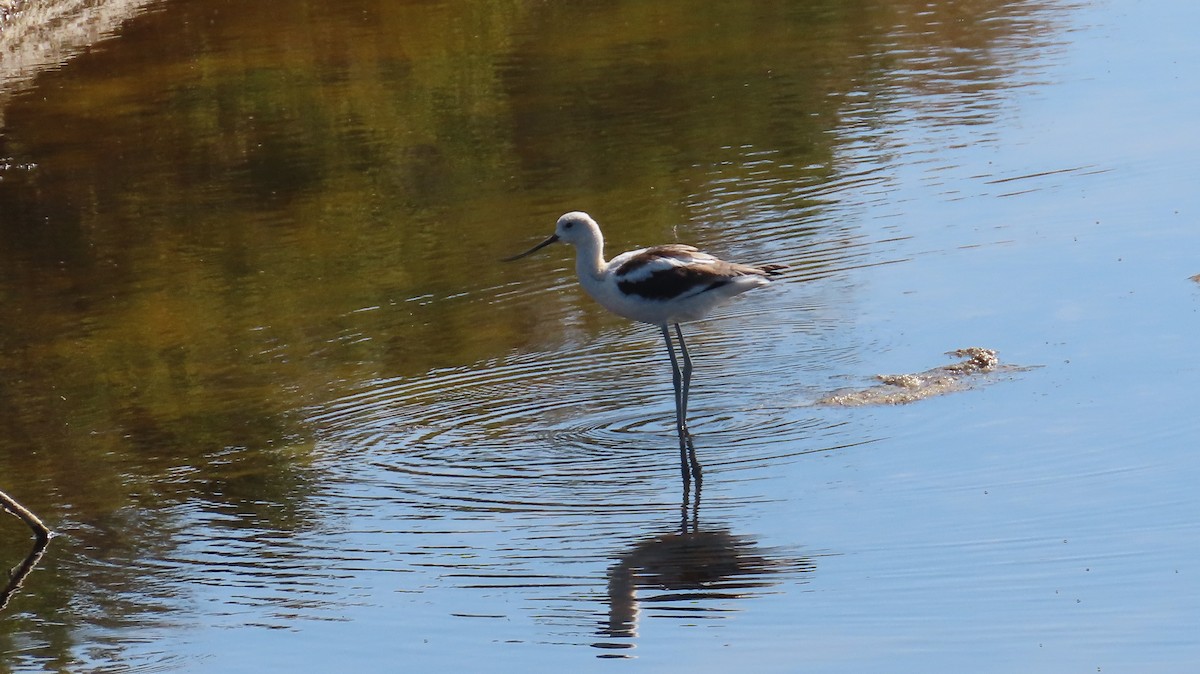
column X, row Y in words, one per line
column 773, row 269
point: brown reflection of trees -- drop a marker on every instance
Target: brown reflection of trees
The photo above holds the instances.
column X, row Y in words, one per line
column 688, row 570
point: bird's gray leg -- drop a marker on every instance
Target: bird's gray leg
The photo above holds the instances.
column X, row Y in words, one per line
column 683, row 401
column 676, row 379
column 687, row 373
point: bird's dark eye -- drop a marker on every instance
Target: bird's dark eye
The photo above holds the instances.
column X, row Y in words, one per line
column 569, row 225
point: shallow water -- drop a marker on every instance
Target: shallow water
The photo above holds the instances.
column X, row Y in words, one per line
column 264, row 377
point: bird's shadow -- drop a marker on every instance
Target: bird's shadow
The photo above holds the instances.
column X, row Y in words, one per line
column 693, row 571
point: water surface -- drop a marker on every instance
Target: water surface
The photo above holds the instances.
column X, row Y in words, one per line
column 262, row 374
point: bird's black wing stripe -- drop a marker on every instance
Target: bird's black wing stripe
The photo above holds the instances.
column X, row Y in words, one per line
column 671, row 283
column 654, row 254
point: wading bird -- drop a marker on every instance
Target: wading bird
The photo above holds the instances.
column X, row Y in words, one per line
column 661, row 285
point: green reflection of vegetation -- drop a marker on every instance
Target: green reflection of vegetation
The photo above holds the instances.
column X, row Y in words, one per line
column 236, row 209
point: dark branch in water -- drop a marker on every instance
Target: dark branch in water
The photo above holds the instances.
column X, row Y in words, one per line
column 42, row 536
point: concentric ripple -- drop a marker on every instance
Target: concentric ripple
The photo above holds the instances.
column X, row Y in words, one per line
column 545, row 469
column 587, row 427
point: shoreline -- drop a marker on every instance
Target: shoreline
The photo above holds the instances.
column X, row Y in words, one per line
column 36, row 35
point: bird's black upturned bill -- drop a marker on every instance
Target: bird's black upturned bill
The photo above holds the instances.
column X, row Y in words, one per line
column 547, row 242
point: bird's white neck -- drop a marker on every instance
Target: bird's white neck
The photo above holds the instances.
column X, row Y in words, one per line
column 589, row 258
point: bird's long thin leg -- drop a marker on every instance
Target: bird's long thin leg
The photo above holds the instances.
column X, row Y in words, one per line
column 676, row 379
column 683, row 402
column 687, row 372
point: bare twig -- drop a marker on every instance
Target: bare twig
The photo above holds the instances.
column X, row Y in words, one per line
column 42, row 536
column 39, row 529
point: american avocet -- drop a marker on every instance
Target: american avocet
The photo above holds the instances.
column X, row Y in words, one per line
column 662, row 285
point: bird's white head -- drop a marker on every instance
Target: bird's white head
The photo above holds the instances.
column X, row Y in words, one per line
column 576, row 228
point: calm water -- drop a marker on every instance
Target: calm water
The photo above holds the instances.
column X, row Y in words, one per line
column 262, row 374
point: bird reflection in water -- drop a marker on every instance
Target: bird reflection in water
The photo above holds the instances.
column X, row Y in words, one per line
column 681, row 571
